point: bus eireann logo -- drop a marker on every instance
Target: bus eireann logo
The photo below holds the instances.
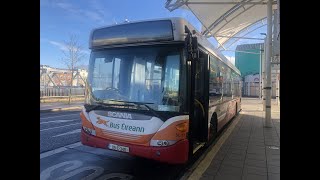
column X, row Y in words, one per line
column 101, row 121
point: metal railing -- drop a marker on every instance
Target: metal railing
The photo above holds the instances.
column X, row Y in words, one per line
column 251, row 89
column 61, row 91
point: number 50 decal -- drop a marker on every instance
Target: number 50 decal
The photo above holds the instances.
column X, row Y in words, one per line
column 73, row 170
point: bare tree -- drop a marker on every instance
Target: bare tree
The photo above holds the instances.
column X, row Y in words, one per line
column 73, row 55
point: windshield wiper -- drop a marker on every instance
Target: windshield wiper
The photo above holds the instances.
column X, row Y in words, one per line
column 135, row 103
column 141, row 103
column 101, row 105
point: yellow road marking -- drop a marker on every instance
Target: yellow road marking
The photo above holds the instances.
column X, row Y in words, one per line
column 204, row 164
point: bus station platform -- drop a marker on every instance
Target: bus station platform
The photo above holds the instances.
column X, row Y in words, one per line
column 247, row 150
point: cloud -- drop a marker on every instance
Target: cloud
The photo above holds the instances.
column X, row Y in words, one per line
column 97, row 7
column 66, row 6
column 64, row 47
column 96, row 14
column 61, row 46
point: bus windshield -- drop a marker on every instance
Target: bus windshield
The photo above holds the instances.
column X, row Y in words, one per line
column 148, row 74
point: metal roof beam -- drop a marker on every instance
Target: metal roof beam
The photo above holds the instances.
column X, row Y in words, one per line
column 237, row 17
column 224, row 16
column 241, row 37
column 253, row 24
column 242, row 51
column 228, row 13
column 220, row 45
column 228, row 3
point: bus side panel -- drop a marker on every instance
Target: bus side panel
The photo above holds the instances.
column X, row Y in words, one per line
column 224, row 115
column 231, row 109
column 238, row 104
column 230, row 113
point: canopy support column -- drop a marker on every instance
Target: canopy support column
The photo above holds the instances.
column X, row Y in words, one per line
column 267, row 88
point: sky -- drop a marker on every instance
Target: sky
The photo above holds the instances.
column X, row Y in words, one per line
column 59, row 19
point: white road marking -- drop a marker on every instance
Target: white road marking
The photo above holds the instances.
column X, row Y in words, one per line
column 58, row 121
column 55, row 151
column 68, row 108
column 67, row 133
column 74, row 145
column 59, row 150
column 46, row 174
column 59, row 127
column 78, row 114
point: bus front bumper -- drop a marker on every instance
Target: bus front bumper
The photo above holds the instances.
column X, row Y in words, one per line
column 174, row 154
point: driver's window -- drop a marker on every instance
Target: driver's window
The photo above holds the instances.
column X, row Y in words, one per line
column 171, row 80
column 106, row 73
column 102, row 73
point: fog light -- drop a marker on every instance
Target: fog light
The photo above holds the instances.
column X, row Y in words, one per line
column 183, row 127
column 162, row 142
column 158, row 153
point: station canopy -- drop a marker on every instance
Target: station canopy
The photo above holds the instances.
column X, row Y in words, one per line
column 224, row 19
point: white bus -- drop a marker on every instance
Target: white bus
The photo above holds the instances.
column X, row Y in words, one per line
column 157, row 89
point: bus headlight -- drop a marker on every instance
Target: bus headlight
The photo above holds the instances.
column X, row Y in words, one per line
column 89, row 131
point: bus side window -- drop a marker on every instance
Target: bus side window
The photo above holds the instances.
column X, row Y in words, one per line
column 215, row 81
column 199, row 79
column 228, row 82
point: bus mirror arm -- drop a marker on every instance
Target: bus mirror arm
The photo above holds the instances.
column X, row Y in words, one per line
column 191, row 44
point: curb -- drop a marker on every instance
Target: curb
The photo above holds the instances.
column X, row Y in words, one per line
column 199, row 167
column 61, row 109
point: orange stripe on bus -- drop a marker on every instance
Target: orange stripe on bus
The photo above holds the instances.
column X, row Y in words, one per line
column 85, row 121
column 123, row 137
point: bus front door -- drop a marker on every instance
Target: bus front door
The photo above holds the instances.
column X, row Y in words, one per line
column 201, row 94
column 197, row 93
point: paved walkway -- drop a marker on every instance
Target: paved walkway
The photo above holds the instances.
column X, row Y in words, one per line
column 250, row 152
column 60, row 106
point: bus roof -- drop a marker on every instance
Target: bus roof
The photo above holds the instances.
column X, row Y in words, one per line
column 153, row 30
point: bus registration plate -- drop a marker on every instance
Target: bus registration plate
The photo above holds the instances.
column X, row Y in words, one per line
column 118, row 148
